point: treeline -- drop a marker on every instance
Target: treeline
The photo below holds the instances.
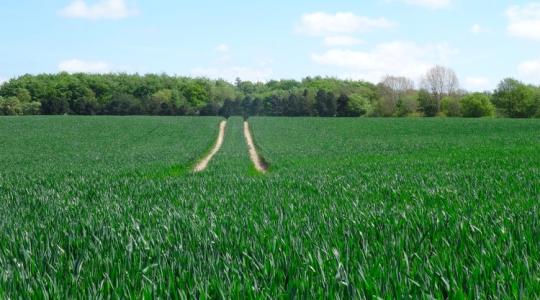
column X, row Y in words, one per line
column 123, row 94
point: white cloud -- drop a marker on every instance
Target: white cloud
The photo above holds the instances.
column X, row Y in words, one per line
column 223, row 48
column 530, row 70
column 81, row 66
column 433, row 4
column 227, row 70
column 224, row 52
column 101, row 9
column 230, row 73
column 325, row 24
column 478, row 29
column 478, row 84
column 341, row 40
column 396, row 58
column 524, row 21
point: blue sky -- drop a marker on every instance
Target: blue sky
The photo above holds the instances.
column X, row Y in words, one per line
column 483, row 41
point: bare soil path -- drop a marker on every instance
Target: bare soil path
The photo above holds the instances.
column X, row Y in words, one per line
column 255, row 158
column 203, row 164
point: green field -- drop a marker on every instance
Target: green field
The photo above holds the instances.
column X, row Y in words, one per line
column 104, row 207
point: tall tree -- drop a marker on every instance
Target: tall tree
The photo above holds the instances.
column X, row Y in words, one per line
column 331, row 104
column 395, row 87
column 440, row 82
column 427, row 103
column 257, row 107
column 343, row 106
column 392, row 89
column 320, row 103
column 246, row 106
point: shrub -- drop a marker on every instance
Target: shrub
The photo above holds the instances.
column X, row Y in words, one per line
column 10, row 106
column 451, row 107
column 407, row 105
column 359, row 105
column 124, row 104
column 428, row 104
column 31, row 108
column 385, row 107
column 477, row 105
column 211, row 109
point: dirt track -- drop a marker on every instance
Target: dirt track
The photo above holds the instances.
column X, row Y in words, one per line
column 255, row 158
column 203, row 164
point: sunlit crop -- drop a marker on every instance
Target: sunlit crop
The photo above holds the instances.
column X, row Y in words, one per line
column 105, row 207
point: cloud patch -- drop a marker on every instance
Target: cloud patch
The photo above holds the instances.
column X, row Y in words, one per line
column 225, row 68
column 396, row 58
column 102, row 9
column 230, row 73
column 478, row 83
column 224, row 52
column 326, row 24
column 530, row 70
column 524, row 20
column 81, row 66
column 478, row 29
column 341, row 40
column 223, row 48
column 433, row 4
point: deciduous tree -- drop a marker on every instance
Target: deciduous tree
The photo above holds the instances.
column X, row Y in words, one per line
column 440, row 82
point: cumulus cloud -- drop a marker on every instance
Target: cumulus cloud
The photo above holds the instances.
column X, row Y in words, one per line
column 524, row 20
column 478, row 29
column 341, row 40
column 224, row 52
column 223, row 48
column 102, row 9
column 530, row 70
column 230, row 73
column 326, row 24
column 433, row 4
column 81, row 66
column 397, row 58
column 478, row 84
column 227, row 70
